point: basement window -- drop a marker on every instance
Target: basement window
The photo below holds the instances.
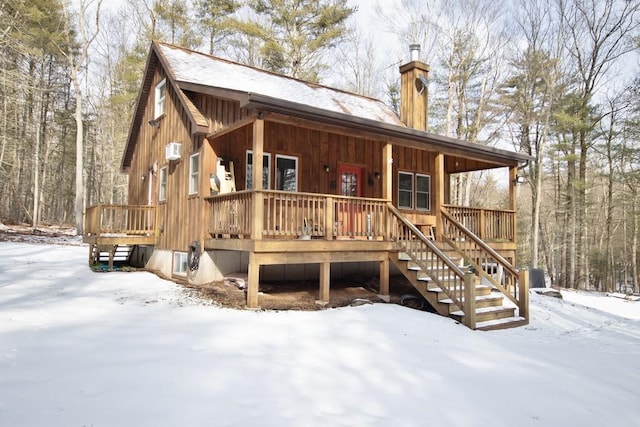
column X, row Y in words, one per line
column 161, row 91
column 180, row 263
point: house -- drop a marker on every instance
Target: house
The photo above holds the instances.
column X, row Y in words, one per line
column 341, row 183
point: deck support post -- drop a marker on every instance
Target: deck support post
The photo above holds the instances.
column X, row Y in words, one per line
column 469, row 302
column 384, row 280
column 254, row 281
column 112, row 251
column 91, row 246
column 325, row 282
column 523, row 293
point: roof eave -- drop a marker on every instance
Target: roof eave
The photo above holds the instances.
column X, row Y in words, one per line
column 257, row 101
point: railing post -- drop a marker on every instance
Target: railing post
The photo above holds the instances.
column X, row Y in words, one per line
column 328, row 218
column 257, row 225
column 481, row 224
column 523, row 293
column 469, row 301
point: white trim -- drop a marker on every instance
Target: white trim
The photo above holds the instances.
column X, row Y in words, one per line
column 265, row 185
column 278, row 184
column 179, row 264
column 411, row 190
column 194, row 185
column 162, row 183
column 428, row 192
column 160, row 99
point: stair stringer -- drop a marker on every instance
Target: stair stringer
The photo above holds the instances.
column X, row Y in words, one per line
column 420, row 285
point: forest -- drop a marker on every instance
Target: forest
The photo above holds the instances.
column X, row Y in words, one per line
column 556, row 79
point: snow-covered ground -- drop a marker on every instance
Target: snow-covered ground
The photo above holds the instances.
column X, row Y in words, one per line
column 79, row 348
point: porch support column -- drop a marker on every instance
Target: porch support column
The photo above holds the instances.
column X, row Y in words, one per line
column 387, row 172
column 258, row 201
column 384, row 280
column 513, row 173
column 438, row 192
column 254, row 281
column 325, row 282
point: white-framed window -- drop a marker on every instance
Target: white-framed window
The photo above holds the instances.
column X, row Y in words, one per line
column 162, row 193
column 161, row 92
column 405, row 190
column 286, row 173
column 423, row 192
column 266, row 170
column 180, row 263
column 194, row 173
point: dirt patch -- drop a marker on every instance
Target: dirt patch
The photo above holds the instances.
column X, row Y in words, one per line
column 303, row 295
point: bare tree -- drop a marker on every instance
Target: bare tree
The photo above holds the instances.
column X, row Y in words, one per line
column 76, row 59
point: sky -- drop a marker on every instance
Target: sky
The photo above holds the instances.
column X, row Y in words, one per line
column 79, row 348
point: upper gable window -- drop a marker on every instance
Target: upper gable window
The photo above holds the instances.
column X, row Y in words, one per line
column 161, row 91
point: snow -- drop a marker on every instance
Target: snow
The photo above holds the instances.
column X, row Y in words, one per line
column 193, row 67
column 129, row 349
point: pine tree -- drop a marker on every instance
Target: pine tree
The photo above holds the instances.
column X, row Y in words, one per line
column 215, row 19
column 298, row 33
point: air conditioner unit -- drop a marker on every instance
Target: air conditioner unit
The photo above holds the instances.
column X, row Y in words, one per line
column 172, row 151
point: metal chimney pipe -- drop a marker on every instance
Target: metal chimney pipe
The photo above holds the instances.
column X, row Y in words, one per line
column 414, row 48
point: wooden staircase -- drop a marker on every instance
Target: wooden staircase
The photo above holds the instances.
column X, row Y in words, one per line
column 436, row 271
column 491, row 309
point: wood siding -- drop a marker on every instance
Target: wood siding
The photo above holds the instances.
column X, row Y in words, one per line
column 181, row 218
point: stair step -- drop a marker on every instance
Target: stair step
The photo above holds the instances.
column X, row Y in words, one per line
column 504, row 323
column 482, row 301
column 487, row 313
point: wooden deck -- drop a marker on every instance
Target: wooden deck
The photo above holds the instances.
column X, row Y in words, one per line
column 277, row 227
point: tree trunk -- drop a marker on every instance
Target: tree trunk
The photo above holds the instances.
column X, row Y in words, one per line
column 79, row 198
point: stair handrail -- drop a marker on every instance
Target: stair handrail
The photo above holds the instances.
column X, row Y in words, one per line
column 457, row 271
column 499, row 259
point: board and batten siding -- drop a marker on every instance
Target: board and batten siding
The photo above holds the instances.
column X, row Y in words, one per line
column 315, row 149
column 179, row 217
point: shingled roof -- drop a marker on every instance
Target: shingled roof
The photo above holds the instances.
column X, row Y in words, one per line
column 255, row 88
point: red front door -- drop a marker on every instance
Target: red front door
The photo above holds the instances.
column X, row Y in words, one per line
column 348, row 212
column 350, row 180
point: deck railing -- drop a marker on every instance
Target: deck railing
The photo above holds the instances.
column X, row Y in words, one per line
column 492, row 225
column 292, row 215
column 231, row 214
column 443, row 272
column 101, row 220
column 488, row 263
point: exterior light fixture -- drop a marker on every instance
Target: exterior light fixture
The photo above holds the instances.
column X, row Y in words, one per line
column 377, row 175
column 154, row 123
column 519, row 179
column 326, row 168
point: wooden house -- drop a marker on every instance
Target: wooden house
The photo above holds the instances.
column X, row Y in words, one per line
column 343, row 183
